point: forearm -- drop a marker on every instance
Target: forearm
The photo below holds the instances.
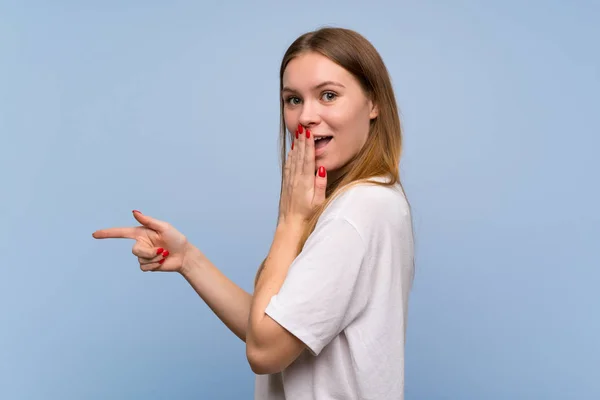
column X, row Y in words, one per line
column 281, row 255
column 227, row 300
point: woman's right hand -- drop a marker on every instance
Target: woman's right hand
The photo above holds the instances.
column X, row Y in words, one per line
column 158, row 246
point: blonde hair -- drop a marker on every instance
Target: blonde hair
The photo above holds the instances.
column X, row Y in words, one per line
column 380, row 155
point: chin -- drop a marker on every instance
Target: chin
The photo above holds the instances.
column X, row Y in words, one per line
column 322, row 161
column 329, row 164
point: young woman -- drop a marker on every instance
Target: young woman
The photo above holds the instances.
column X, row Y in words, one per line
column 327, row 318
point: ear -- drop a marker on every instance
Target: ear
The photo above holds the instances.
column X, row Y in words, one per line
column 374, row 110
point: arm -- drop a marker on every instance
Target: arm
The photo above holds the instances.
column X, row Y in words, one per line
column 310, row 298
column 269, row 347
column 226, row 299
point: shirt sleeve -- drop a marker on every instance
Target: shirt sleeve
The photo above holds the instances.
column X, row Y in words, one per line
column 317, row 299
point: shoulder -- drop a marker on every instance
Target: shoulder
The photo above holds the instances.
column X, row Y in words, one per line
column 373, row 210
column 369, row 199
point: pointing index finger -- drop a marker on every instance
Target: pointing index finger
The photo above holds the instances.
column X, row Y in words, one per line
column 117, row 233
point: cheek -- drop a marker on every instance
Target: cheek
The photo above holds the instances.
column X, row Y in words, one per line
column 290, row 120
column 346, row 121
column 337, row 118
column 352, row 128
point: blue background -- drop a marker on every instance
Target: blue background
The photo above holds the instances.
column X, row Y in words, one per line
column 172, row 108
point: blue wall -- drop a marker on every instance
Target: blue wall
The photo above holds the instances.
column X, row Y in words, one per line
column 173, row 110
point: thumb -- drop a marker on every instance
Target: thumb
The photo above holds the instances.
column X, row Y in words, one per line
column 149, row 222
column 320, row 185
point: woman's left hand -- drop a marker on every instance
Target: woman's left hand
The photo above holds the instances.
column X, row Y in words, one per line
column 302, row 190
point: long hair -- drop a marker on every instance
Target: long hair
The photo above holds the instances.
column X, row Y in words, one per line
column 380, row 155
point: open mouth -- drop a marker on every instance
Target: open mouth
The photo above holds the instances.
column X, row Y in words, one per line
column 322, row 141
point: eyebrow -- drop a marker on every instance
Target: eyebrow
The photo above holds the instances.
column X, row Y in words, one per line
column 319, row 86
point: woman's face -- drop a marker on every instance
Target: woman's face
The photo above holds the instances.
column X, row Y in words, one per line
column 326, row 99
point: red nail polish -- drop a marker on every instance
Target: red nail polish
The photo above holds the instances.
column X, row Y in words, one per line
column 136, row 211
column 292, row 145
column 296, row 134
column 322, row 172
column 165, row 253
column 161, row 261
column 159, row 250
column 308, row 134
column 300, row 128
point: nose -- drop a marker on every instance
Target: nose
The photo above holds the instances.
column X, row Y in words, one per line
column 309, row 116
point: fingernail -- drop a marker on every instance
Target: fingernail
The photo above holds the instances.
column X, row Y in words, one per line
column 322, row 172
column 296, row 134
column 161, row 261
column 300, row 128
column 292, row 145
column 159, row 250
column 165, row 253
column 136, row 211
column 307, row 134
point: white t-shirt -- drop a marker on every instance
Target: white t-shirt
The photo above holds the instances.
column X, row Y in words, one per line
column 346, row 297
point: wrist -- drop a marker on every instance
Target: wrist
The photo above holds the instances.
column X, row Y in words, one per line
column 291, row 227
column 289, row 232
column 292, row 222
column 192, row 260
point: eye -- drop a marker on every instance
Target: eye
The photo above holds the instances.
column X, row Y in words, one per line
column 329, row 96
column 292, row 100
